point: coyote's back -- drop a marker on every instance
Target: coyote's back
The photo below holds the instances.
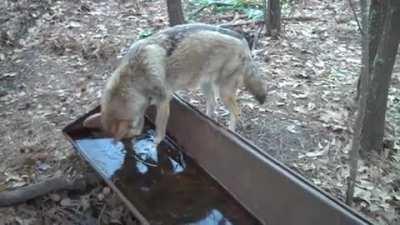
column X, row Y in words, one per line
column 185, row 56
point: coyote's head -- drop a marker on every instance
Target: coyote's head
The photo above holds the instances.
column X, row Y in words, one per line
column 122, row 110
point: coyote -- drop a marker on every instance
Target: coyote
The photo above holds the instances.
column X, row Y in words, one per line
column 185, row 56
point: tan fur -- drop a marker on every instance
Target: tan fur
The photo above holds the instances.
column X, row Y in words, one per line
column 180, row 57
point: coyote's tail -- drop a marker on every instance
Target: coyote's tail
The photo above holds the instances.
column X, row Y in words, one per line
column 254, row 84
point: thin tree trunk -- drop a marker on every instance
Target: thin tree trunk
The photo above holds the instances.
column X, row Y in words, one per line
column 175, row 12
column 273, row 18
column 374, row 120
column 359, row 125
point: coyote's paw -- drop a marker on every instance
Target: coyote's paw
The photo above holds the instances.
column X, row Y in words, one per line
column 158, row 140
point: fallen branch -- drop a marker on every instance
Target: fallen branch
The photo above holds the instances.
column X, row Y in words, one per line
column 300, row 18
column 217, row 4
column 242, row 23
column 227, row 25
column 230, row 16
column 23, row 194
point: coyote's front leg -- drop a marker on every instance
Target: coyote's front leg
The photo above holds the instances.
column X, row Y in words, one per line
column 161, row 121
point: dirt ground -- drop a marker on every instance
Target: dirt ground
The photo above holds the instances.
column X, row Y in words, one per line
column 56, row 55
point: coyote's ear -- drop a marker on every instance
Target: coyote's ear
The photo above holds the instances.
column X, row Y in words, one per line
column 93, row 121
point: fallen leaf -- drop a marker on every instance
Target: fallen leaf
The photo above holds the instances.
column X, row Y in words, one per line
column 318, row 153
column 292, row 129
column 300, row 109
column 310, row 106
column 300, row 96
column 74, row 24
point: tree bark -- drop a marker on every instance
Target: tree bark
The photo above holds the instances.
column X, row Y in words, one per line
column 374, row 120
column 376, row 24
column 273, row 18
column 175, row 12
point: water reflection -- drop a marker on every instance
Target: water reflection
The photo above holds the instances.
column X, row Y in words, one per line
column 167, row 186
column 109, row 155
column 106, row 154
column 215, row 217
column 145, row 154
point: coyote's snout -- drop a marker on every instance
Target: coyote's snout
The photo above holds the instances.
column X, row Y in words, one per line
column 185, row 56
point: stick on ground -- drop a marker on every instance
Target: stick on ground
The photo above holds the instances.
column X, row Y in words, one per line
column 23, row 194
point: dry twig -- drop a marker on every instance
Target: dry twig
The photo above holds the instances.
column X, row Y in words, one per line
column 355, row 16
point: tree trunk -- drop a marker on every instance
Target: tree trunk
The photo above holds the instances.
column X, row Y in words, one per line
column 359, row 126
column 374, row 120
column 175, row 12
column 376, row 24
column 273, row 18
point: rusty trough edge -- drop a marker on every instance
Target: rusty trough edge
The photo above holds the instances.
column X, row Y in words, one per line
column 242, row 168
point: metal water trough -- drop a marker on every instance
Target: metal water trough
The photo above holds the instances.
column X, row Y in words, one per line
column 273, row 193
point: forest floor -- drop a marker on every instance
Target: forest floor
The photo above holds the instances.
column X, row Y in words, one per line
column 56, row 55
